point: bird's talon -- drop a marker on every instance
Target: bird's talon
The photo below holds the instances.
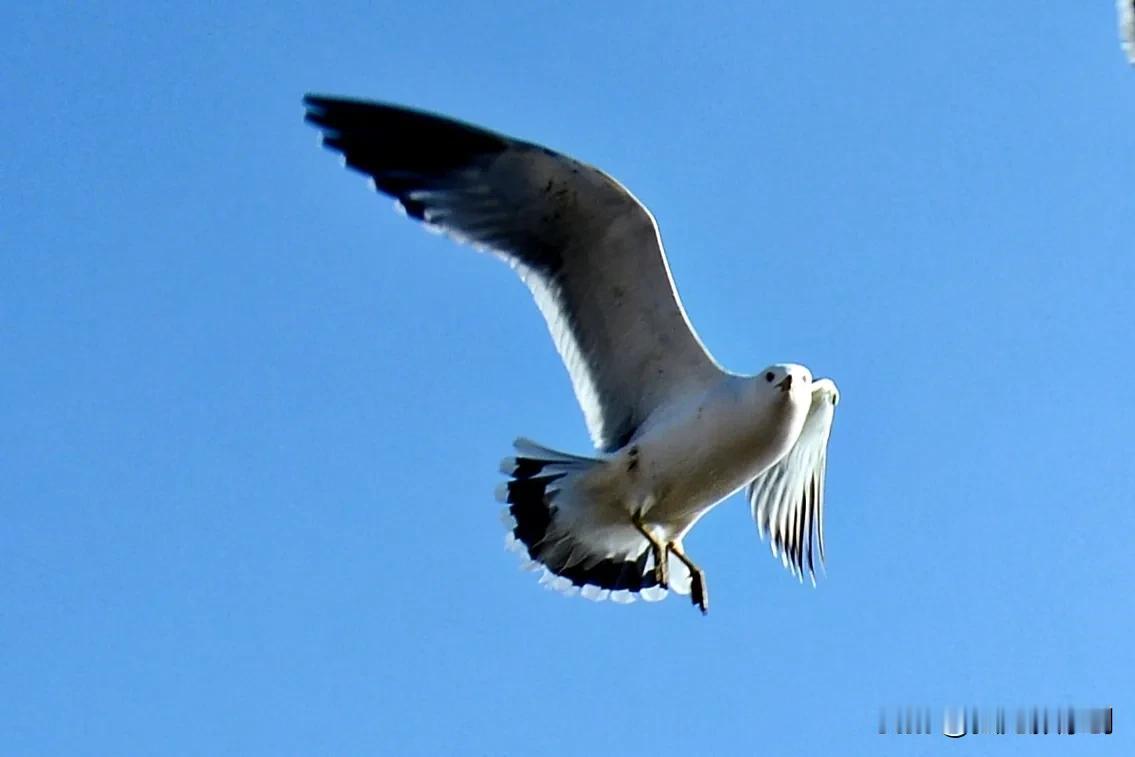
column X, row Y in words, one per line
column 698, row 595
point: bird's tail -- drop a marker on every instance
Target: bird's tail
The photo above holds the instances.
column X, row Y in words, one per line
column 551, row 521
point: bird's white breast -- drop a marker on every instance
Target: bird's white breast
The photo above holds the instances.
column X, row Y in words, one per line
column 694, row 454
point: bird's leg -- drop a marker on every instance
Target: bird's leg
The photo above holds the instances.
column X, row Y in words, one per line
column 661, row 561
column 699, row 594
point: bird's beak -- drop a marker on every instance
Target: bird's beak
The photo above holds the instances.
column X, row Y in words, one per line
column 785, row 385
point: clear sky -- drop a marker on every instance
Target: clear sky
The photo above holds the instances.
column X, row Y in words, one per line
column 250, row 419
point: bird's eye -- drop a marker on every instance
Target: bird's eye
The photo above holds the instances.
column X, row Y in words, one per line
column 770, row 376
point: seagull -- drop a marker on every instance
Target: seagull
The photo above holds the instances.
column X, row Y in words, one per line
column 1126, row 9
column 674, row 433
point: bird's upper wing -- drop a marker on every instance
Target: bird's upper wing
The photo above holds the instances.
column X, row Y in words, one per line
column 1127, row 27
column 587, row 249
column 788, row 499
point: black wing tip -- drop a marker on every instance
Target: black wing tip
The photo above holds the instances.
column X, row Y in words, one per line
column 381, row 139
column 316, row 107
column 317, row 113
column 312, row 100
column 328, row 111
column 329, row 106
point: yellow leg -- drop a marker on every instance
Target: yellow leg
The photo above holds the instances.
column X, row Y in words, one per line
column 699, row 594
column 661, row 561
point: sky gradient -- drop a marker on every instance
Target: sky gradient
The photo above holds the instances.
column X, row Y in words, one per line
column 250, row 419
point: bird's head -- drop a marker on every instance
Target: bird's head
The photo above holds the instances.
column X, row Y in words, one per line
column 780, row 396
column 788, row 378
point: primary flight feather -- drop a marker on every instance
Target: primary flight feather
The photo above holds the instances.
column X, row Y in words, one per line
column 674, row 433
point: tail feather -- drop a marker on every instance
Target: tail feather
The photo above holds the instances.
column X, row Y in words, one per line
column 574, row 559
column 532, row 449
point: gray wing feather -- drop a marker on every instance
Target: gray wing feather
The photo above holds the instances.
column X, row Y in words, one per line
column 588, row 250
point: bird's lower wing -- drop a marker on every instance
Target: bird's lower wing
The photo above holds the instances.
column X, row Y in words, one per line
column 787, row 500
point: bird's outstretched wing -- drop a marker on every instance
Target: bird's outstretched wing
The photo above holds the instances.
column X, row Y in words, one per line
column 587, row 249
column 1126, row 10
column 788, row 499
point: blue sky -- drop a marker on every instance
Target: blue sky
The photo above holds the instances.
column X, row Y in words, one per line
column 250, row 419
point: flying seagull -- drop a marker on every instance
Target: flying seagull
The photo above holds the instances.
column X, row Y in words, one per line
column 674, row 433
column 1126, row 10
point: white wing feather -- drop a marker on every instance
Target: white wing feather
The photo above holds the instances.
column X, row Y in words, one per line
column 787, row 500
